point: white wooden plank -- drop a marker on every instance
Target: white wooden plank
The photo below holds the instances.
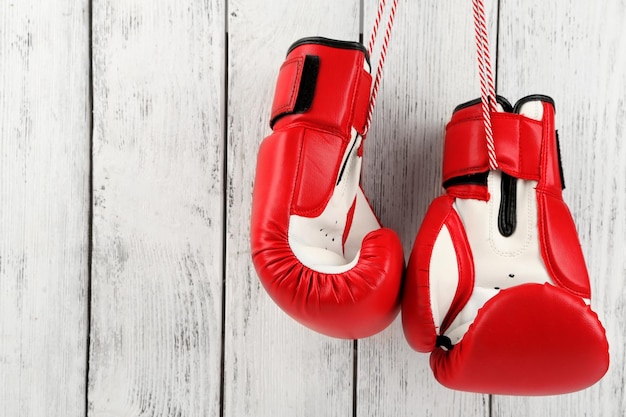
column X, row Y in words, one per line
column 576, row 53
column 158, row 197
column 44, row 205
column 273, row 365
column 429, row 70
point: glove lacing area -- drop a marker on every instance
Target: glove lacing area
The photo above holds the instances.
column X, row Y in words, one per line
column 499, row 261
column 330, row 243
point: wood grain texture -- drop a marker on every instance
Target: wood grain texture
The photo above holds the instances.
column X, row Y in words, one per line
column 576, row 53
column 44, row 205
column 273, row 365
column 430, row 68
column 158, row 221
column 180, row 108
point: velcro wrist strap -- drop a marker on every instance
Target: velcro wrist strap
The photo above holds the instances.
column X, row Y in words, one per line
column 517, row 142
column 295, row 87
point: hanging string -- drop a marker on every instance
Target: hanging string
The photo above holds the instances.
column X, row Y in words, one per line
column 383, row 54
column 379, row 15
column 485, row 74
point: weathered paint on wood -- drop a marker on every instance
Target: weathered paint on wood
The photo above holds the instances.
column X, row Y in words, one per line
column 158, row 196
column 180, row 108
column 44, row 205
column 273, row 365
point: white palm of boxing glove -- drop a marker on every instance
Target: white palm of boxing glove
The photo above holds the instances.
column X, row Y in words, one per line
column 502, row 259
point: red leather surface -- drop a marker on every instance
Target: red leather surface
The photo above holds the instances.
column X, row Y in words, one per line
column 476, row 192
column 287, row 85
column 362, row 102
column 349, row 219
column 528, row 340
column 338, row 91
column 319, row 161
column 560, row 247
column 550, row 174
column 297, row 168
column 417, row 319
column 518, row 141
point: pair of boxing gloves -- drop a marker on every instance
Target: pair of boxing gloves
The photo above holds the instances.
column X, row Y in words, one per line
column 496, row 287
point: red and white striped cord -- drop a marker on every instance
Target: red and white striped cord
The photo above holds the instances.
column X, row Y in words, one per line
column 383, row 54
column 485, row 74
column 379, row 15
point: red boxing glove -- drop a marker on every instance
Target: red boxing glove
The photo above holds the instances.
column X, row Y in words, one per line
column 317, row 246
column 497, row 288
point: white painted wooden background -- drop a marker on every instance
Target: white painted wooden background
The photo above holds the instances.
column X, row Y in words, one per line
column 128, row 138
